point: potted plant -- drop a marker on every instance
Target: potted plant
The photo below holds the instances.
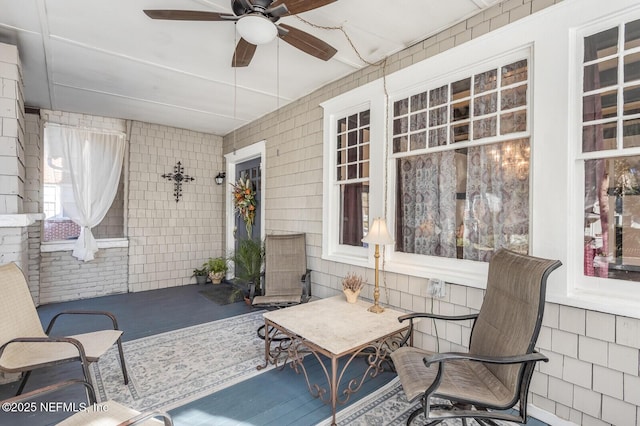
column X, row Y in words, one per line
column 351, row 286
column 217, row 267
column 248, row 260
column 201, row 274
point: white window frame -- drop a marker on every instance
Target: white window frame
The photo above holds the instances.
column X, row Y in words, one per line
column 606, row 294
column 460, row 271
column 369, row 97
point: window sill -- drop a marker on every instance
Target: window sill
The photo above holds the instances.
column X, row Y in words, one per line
column 19, row 220
column 609, row 304
column 104, row 243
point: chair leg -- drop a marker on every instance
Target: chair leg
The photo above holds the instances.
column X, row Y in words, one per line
column 122, row 363
column 23, row 382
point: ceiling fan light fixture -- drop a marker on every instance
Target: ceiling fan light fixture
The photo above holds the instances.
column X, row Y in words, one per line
column 256, row 29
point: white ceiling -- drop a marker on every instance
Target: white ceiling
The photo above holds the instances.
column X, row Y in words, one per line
column 107, row 58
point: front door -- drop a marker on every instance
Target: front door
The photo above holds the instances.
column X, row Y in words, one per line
column 250, row 169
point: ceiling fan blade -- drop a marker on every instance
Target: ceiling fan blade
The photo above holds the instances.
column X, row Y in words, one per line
column 243, row 54
column 188, row 15
column 278, row 11
column 299, row 6
column 307, row 43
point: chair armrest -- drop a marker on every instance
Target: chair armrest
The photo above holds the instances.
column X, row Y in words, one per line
column 143, row 417
column 52, row 388
column 436, row 316
column 49, row 339
column 83, row 312
column 514, row 359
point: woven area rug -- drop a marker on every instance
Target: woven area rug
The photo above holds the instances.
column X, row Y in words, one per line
column 389, row 407
column 171, row 369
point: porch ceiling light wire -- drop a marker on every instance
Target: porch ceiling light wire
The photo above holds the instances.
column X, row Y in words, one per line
column 383, row 64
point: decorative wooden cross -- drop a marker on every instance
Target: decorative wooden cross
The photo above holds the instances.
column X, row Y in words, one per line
column 178, row 177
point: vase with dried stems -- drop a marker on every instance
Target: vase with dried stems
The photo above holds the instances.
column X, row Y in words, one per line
column 351, row 286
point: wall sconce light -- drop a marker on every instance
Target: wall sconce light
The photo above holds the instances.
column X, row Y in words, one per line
column 220, row 177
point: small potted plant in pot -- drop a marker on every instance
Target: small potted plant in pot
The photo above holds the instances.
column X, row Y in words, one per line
column 201, row 274
column 351, row 286
column 217, row 267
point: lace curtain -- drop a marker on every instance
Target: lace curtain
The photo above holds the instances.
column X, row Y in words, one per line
column 428, row 204
column 92, row 162
column 497, row 199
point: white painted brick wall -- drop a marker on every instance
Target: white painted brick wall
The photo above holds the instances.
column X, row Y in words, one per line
column 63, row 277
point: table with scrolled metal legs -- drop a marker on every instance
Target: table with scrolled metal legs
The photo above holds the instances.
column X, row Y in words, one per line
column 335, row 329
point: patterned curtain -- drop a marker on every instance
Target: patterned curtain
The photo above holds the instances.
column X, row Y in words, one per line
column 427, row 202
column 497, row 199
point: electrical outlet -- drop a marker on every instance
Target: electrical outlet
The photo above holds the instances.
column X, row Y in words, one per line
column 436, row 288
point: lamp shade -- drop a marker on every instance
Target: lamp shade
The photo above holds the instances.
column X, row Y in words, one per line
column 378, row 233
column 256, row 29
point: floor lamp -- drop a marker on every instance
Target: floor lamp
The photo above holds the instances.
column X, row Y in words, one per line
column 378, row 234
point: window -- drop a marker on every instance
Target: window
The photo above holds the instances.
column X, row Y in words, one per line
column 352, row 175
column 462, row 165
column 610, row 152
column 59, row 201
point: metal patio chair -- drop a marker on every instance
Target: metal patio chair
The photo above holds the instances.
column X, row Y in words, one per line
column 286, row 280
column 25, row 346
column 496, row 372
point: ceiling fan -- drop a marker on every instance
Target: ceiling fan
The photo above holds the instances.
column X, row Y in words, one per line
column 256, row 23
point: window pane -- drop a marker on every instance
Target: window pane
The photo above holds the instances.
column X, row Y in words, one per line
column 460, row 111
column 484, row 128
column 632, row 100
column 486, row 104
column 401, row 107
column 602, row 44
column 513, row 98
column 353, row 121
column 602, row 105
column 438, row 116
column 612, row 218
column 400, row 126
column 419, row 121
column 461, row 89
column 419, row 101
column 418, row 140
column 460, row 133
column 400, row 144
column 354, row 213
column 602, row 74
column 485, row 81
column 438, row 96
column 631, row 133
column 632, row 67
column 632, row 35
column 365, row 117
column 599, row 137
column 513, row 122
column 514, row 73
column 438, row 137
column 342, row 125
